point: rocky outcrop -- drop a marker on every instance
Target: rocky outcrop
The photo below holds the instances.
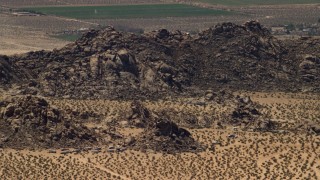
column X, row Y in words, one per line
column 243, row 112
column 160, row 133
column 248, row 115
column 32, row 122
column 111, row 64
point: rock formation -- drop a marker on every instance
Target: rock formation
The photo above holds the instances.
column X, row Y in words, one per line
column 111, row 64
column 31, row 122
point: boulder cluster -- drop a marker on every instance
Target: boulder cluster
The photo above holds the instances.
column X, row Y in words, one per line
column 160, row 133
column 32, row 122
column 115, row 65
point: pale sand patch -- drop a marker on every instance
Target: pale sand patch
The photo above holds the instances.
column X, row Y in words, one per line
column 18, row 45
column 19, row 39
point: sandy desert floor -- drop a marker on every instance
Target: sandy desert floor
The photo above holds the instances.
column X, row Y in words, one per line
column 251, row 155
column 18, row 35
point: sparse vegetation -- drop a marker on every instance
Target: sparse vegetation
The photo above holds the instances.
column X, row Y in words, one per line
column 230, row 102
column 250, row 155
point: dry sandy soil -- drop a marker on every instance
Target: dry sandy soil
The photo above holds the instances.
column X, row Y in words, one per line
column 22, row 34
column 27, row 33
column 30, row 41
column 16, row 38
column 251, row 155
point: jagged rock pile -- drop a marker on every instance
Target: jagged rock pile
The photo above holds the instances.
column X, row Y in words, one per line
column 31, row 122
column 242, row 111
column 106, row 64
column 160, row 133
column 245, row 57
column 251, row 40
column 140, row 116
column 115, row 65
column 248, row 115
column 166, row 136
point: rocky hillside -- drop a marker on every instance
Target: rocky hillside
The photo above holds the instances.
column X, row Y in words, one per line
column 111, row 64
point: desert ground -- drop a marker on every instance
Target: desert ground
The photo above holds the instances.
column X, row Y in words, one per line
column 251, row 155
